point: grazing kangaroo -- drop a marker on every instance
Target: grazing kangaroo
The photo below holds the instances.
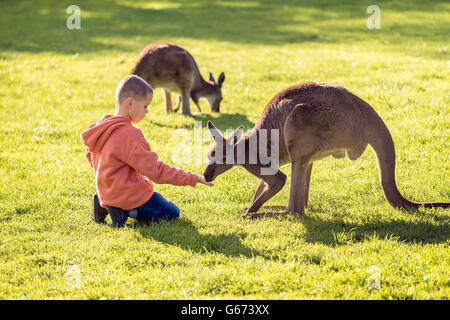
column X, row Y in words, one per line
column 168, row 66
column 314, row 120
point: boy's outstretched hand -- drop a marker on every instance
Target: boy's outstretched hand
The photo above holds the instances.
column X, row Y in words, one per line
column 202, row 180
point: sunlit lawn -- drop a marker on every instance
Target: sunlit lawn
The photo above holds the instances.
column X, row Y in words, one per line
column 55, row 82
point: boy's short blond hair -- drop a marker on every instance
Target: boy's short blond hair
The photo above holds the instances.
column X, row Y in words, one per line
column 132, row 86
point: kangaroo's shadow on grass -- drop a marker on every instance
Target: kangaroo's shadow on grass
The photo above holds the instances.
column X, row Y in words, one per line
column 222, row 121
column 337, row 232
column 182, row 233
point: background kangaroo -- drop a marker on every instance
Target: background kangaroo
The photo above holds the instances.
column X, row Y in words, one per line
column 315, row 120
column 171, row 67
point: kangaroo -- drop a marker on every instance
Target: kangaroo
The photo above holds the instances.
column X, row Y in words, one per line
column 314, row 120
column 171, row 67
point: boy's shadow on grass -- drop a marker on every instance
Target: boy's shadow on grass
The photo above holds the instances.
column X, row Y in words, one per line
column 182, row 233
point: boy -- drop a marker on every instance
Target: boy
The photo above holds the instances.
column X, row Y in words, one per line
column 124, row 164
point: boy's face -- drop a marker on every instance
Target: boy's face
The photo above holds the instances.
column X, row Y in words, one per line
column 138, row 108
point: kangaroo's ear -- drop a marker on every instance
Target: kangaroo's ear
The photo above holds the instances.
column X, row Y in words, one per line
column 211, row 78
column 217, row 136
column 221, row 79
column 211, row 125
column 235, row 136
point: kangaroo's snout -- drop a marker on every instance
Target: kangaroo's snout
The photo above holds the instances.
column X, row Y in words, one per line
column 209, row 174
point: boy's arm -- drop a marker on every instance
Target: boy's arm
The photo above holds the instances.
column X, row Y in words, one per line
column 146, row 162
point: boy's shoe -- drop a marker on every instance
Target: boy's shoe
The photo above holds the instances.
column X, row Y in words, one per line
column 118, row 216
column 98, row 213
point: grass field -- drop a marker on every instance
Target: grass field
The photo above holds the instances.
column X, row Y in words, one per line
column 55, row 82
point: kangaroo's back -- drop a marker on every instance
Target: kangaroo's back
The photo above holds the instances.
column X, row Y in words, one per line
column 166, row 65
column 328, row 103
column 310, row 93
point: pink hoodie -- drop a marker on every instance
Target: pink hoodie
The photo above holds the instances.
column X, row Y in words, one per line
column 124, row 164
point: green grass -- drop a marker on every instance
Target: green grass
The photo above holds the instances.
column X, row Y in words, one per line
column 55, row 82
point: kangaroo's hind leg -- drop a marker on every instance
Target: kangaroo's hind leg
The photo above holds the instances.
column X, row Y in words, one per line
column 185, row 96
column 168, row 100
column 302, row 144
column 307, row 183
column 178, row 103
column 297, row 193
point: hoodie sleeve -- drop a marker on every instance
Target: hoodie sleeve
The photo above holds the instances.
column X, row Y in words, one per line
column 146, row 162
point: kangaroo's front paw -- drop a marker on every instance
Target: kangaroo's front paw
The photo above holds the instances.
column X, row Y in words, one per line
column 254, row 215
column 274, row 207
column 258, row 215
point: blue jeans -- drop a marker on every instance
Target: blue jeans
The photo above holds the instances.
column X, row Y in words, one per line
column 155, row 209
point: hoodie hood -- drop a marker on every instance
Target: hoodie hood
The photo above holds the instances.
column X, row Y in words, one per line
column 98, row 133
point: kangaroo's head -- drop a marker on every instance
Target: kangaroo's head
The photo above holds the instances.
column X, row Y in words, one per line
column 213, row 91
column 221, row 157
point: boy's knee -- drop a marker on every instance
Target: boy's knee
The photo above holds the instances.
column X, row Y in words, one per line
column 174, row 212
